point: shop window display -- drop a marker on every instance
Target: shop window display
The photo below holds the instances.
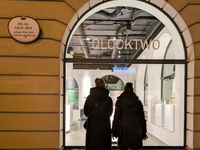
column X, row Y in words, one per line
column 117, row 34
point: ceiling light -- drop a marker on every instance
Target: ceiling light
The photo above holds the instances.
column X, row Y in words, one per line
column 87, row 39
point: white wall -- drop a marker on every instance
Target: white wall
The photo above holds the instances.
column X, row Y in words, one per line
column 154, row 92
column 86, row 78
column 171, row 138
column 140, row 81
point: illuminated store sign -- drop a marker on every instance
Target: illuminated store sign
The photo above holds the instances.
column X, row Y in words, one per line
column 123, row 70
column 24, row 29
column 114, row 43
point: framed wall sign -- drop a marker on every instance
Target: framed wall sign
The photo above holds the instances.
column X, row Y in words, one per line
column 24, row 29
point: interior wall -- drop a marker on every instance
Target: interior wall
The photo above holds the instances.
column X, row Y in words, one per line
column 140, row 81
column 171, row 138
column 86, row 78
column 154, row 90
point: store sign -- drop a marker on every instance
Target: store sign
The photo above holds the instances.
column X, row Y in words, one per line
column 123, row 70
column 126, row 44
column 24, row 29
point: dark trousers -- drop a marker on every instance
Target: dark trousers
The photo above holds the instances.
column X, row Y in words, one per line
column 122, row 148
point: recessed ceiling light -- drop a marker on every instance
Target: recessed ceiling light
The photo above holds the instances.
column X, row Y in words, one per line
column 87, row 38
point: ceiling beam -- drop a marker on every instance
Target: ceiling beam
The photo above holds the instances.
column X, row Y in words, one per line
column 126, row 61
column 152, row 32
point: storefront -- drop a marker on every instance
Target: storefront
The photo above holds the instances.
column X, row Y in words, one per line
column 152, row 44
column 122, row 40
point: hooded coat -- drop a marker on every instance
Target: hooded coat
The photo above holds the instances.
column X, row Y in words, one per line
column 98, row 108
column 134, row 126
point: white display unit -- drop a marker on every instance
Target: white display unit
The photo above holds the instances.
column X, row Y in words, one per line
column 67, row 117
column 159, row 115
column 164, row 116
column 71, row 113
column 169, row 117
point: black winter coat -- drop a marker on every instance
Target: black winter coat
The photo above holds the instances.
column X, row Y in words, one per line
column 98, row 108
column 134, row 125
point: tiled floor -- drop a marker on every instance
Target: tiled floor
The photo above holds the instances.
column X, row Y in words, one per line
column 76, row 136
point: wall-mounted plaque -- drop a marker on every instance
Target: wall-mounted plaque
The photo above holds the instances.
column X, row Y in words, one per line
column 24, row 29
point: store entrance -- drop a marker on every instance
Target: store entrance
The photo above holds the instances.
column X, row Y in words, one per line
column 134, row 42
column 159, row 85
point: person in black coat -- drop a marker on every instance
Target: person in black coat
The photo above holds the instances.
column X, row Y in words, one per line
column 98, row 108
column 134, row 126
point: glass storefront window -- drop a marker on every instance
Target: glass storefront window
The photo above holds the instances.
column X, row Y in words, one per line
column 163, row 116
column 130, row 45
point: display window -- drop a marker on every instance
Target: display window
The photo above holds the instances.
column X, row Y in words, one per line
column 124, row 43
column 164, row 100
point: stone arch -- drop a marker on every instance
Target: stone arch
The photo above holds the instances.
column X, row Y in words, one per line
column 170, row 11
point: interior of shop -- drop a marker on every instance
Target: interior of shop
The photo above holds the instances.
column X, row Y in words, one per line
column 163, row 115
column 124, row 33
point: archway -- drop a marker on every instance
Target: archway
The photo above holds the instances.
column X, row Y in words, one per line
column 172, row 30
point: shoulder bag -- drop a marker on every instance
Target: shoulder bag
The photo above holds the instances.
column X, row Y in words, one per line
column 118, row 131
column 85, row 125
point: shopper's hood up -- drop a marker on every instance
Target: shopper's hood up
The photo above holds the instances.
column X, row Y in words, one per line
column 129, row 99
column 99, row 93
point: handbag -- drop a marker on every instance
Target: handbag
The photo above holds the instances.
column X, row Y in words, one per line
column 85, row 125
column 118, row 131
